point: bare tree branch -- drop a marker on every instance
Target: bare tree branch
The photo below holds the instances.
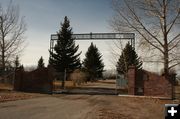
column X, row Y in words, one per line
column 172, row 66
column 12, row 30
column 155, row 21
column 173, row 22
column 175, row 38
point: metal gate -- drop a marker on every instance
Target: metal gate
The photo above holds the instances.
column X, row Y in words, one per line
column 121, row 81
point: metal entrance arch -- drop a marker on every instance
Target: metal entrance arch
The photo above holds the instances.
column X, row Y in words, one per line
column 98, row 36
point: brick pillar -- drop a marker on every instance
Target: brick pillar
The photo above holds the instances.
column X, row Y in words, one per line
column 50, row 77
column 131, row 80
column 172, row 79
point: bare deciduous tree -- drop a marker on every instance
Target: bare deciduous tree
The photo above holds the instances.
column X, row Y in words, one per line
column 12, row 29
column 156, row 22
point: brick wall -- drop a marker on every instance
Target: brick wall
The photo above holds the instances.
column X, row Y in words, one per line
column 156, row 85
column 146, row 83
column 39, row 80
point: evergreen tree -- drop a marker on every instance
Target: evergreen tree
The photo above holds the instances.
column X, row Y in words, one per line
column 41, row 63
column 128, row 58
column 16, row 62
column 92, row 63
column 65, row 57
column 21, row 67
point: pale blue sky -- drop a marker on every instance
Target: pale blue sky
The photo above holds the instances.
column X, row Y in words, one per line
column 43, row 18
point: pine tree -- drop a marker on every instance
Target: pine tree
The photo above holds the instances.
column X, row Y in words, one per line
column 21, row 67
column 128, row 58
column 92, row 63
column 41, row 63
column 16, row 62
column 65, row 57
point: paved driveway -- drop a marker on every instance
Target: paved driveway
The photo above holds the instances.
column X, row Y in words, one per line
column 46, row 108
column 83, row 107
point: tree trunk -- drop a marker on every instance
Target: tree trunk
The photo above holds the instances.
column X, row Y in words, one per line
column 3, row 55
column 166, row 50
column 64, row 78
column 3, row 61
column 166, row 56
column 62, row 84
column 166, row 63
column 2, row 44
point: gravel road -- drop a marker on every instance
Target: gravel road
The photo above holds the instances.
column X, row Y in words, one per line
column 61, row 106
column 47, row 108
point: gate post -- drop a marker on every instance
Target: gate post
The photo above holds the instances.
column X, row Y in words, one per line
column 131, row 76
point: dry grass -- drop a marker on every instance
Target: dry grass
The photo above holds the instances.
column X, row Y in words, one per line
column 117, row 107
column 7, row 94
column 12, row 96
column 109, row 81
column 4, row 87
column 75, row 78
column 78, row 77
column 133, row 108
column 68, row 84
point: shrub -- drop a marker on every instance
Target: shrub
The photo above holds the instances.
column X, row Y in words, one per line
column 78, row 77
